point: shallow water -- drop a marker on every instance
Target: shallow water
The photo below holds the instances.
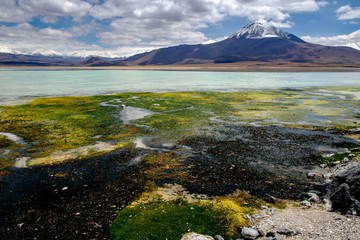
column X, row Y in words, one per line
column 17, row 84
column 129, row 114
column 13, row 137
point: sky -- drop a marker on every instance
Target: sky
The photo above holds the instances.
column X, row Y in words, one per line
column 115, row 28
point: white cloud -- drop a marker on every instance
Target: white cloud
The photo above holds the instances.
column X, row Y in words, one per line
column 10, row 12
column 26, row 38
column 24, row 10
column 75, row 8
column 347, row 12
column 49, row 19
column 339, row 40
column 146, row 23
column 181, row 21
column 287, row 24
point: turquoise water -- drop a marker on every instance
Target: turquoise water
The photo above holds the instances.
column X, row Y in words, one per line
column 16, row 84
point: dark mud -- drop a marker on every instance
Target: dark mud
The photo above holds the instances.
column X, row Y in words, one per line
column 266, row 159
column 78, row 200
column 71, row 201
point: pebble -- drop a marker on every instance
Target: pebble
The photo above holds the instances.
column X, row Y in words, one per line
column 269, row 198
column 65, row 188
column 311, row 175
column 195, row 236
column 249, row 233
column 314, row 198
column 305, row 203
column 271, row 233
column 218, row 237
column 261, row 232
column 328, row 175
column 285, row 231
column 345, row 160
column 306, row 224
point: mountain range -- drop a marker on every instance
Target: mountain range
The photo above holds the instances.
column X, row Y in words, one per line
column 258, row 41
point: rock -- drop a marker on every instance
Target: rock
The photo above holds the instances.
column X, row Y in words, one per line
column 264, row 207
column 328, row 175
column 195, row 236
column 336, row 162
column 323, row 165
column 341, row 198
column 285, row 231
column 351, row 155
column 345, row 160
column 261, row 232
column 319, row 193
column 328, row 204
column 249, row 233
column 311, row 175
column 305, row 203
column 355, row 130
column 312, row 197
column 345, row 183
column 269, row 198
column 271, row 233
column 218, row 237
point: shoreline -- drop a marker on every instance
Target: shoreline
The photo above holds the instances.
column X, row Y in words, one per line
column 212, row 67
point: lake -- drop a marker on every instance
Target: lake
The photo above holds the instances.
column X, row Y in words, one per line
column 19, row 83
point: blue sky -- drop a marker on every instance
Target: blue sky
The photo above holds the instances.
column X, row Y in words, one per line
column 125, row 27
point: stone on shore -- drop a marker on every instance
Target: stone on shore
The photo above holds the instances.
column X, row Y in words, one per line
column 195, row 236
column 218, row 237
column 344, row 189
column 249, row 233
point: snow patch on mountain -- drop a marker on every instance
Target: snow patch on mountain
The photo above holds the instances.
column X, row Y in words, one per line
column 353, row 45
column 260, row 29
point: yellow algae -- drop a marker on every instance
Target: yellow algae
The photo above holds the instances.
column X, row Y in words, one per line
column 315, row 102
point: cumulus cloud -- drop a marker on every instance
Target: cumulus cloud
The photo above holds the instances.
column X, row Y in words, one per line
column 182, row 21
column 339, row 40
column 25, row 10
column 73, row 8
column 347, row 12
column 26, row 38
column 146, row 23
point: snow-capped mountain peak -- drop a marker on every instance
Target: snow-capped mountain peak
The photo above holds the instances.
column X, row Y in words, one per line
column 261, row 29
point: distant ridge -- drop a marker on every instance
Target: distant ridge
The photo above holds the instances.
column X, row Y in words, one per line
column 94, row 62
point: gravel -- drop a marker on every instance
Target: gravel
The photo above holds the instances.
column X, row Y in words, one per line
column 313, row 223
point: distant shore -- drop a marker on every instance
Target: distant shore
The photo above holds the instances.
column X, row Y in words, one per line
column 220, row 67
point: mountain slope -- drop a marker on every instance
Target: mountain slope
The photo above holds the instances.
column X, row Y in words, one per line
column 258, row 41
column 94, row 62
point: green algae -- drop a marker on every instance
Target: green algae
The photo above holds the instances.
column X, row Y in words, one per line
column 51, row 125
column 172, row 219
column 4, row 142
